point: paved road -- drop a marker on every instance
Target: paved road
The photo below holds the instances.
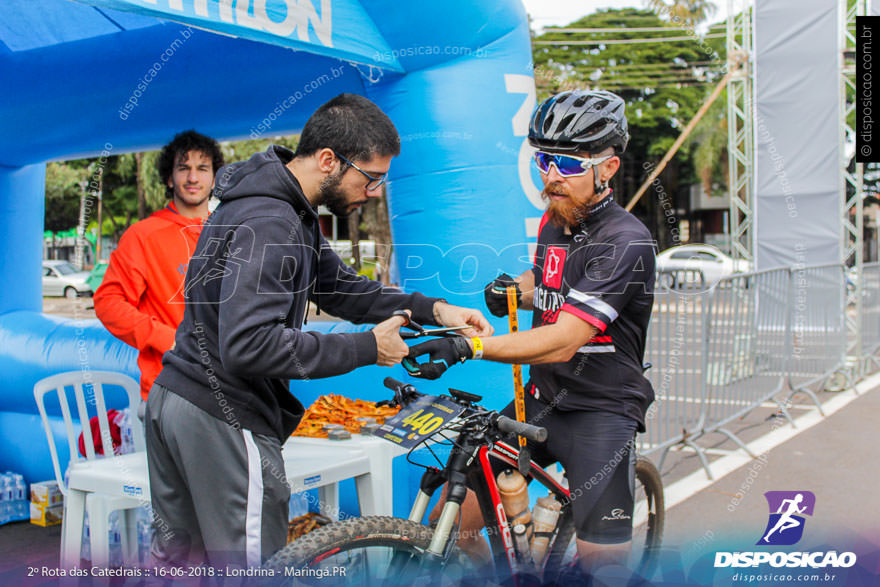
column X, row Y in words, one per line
column 836, row 459
column 78, row 309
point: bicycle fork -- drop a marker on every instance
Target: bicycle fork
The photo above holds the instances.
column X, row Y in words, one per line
column 455, row 495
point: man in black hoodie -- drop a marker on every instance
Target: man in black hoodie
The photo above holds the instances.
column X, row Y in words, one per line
column 221, row 408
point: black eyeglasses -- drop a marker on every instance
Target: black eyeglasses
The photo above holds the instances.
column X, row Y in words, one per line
column 374, row 182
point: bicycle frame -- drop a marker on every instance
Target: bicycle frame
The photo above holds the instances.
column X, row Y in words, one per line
column 486, row 488
column 481, row 478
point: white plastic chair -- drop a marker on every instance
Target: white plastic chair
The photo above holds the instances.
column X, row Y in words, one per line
column 93, row 482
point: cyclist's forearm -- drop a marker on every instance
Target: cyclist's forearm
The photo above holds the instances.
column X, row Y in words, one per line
column 526, row 283
column 554, row 343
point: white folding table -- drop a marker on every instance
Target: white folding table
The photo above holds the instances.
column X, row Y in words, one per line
column 321, row 463
column 308, row 463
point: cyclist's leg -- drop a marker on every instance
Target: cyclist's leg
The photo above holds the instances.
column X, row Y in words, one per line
column 600, row 465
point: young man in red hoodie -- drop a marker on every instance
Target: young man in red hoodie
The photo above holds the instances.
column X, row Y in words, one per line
column 140, row 300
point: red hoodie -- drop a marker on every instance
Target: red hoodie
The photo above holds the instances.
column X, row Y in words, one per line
column 140, row 300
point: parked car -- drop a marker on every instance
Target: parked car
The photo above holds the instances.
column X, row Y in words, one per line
column 61, row 278
column 96, row 275
column 687, row 262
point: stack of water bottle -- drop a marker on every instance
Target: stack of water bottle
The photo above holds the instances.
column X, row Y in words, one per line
column 115, row 538
column 144, row 513
column 144, row 537
column 14, row 506
column 144, row 532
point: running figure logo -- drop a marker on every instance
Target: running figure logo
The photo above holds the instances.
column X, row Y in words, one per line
column 786, row 524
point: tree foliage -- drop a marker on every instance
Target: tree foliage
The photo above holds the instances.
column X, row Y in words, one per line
column 119, row 178
column 64, row 186
column 663, row 84
column 690, row 12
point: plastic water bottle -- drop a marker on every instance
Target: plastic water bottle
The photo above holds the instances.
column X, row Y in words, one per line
column 12, row 491
column 86, row 552
column 5, row 498
column 115, row 540
column 123, row 420
column 22, row 510
column 145, row 533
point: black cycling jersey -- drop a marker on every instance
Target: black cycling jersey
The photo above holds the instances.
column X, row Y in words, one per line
column 601, row 271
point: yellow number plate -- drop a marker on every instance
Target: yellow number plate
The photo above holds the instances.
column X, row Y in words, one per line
column 418, row 420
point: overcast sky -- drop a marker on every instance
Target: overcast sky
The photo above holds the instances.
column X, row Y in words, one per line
column 561, row 12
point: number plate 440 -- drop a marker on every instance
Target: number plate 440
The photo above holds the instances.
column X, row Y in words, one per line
column 418, row 420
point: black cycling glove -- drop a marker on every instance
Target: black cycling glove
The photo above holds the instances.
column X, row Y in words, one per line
column 442, row 354
column 496, row 294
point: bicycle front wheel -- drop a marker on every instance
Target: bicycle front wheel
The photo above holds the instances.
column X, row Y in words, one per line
column 374, row 550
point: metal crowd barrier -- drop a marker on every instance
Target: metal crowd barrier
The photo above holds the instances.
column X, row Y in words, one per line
column 747, row 347
column 870, row 319
column 678, row 324
column 751, row 339
column 818, row 329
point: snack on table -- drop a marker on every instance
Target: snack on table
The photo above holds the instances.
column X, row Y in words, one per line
column 340, row 434
column 349, row 413
column 304, row 524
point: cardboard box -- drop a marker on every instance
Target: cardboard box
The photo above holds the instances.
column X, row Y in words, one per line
column 46, row 493
column 46, row 516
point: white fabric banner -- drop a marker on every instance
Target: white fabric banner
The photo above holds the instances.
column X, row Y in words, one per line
column 797, row 133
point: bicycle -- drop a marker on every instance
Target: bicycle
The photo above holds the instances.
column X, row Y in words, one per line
column 420, row 551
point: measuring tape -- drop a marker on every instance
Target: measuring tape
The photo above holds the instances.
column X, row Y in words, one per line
column 519, row 392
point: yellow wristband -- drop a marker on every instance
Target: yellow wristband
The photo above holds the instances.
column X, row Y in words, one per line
column 478, row 348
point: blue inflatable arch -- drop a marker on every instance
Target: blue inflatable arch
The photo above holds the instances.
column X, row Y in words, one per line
column 115, row 76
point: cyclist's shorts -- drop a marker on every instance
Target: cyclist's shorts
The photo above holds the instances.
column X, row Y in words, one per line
column 596, row 449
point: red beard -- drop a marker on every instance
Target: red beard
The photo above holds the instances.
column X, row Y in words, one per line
column 564, row 212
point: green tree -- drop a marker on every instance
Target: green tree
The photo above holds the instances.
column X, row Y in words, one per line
column 241, row 150
column 689, row 12
column 129, row 183
column 64, row 188
column 710, row 148
column 663, row 84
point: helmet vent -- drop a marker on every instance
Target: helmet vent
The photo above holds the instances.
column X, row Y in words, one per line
column 580, row 101
column 548, row 122
column 595, row 128
column 563, row 124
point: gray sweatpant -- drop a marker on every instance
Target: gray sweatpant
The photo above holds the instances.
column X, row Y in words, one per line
column 219, row 493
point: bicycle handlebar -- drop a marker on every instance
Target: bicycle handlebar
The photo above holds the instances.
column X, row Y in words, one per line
column 393, row 384
column 533, row 433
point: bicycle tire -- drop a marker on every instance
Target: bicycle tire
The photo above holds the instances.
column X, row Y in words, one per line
column 649, row 477
column 321, row 545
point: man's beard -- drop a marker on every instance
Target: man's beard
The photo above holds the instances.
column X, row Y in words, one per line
column 331, row 196
column 563, row 212
column 191, row 200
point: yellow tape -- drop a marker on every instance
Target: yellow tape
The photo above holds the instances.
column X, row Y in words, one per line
column 519, row 393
